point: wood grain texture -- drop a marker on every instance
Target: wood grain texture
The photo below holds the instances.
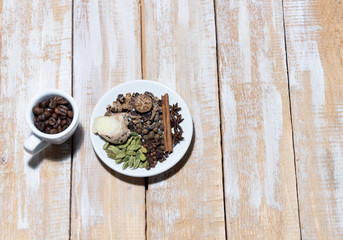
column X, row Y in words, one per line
column 259, row 173
column 180, row 52
column 105, row 205
column 35, row 53
column 315, row 58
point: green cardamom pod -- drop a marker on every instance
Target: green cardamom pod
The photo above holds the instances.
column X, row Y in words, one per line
column 131, row 161
column 131, row 153
column 111, row 155
column 125, row 165
column 142, row 156
column 126, row 144
column 106, row 145
column 136, row 165
column 119, row 160
column 143, row 149
column 126, row 158
column 120, row 155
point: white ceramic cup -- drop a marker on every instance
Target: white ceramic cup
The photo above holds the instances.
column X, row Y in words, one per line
column 38, row 140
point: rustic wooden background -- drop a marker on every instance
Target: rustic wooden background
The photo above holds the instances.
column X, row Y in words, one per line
column 263, row 80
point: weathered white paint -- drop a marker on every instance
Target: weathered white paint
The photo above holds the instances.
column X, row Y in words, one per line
column 244, row 39
column 338, row 166
column 257, row 133
column 106, row 52
column 272, row 129
column 180, row 53
column 315, row 94
column 35, row 53
column 231, row 178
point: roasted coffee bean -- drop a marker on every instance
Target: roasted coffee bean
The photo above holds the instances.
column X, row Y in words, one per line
column 62, row 110
column 63, row 101
column 49, row 110
column 52, row 104
column 57, row 123
column 68, row 121
column 63, row 123
column 45, row 103
column 37, row 123
column 37, row 110
column 41, row 127
column 52, row 121
column 53, row 131
column 52, row 115
column 47, row 114
column 41, row 117
column 70, row 114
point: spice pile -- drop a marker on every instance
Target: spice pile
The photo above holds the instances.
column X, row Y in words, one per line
column 156, row 123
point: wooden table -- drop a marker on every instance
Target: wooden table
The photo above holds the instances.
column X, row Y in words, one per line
column 263, row 80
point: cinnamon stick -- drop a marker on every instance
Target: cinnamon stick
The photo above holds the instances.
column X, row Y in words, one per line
column 167, row 137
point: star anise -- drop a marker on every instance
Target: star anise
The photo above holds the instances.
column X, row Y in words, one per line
column 175, row 109
column 177, row 137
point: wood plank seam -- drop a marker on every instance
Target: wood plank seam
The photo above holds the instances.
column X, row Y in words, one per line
column 220, row 113
column 290, row 112
column 72, row 139
column 141, row 16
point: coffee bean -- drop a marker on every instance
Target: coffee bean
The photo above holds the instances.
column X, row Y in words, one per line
column 45, row 103
column 47, row 114
column 47, row 129
column 52, row 115
column 52, row 104
column 37, row 110
column 37, row 123
column 41, row 127
column 62, row 110
column 52, row 121
column 49, row 110
column 41, row 117
column 53, row 131
column 63, row 101
column 57, row 123
column 63, row 123
column 70, row 114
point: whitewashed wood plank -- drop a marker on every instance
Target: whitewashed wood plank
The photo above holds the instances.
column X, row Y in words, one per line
column 180, row 52
column 106, row 52
column 315, row 57
column 35, row 54
column 259, row 173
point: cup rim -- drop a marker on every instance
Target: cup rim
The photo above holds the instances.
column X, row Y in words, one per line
column 44, row 95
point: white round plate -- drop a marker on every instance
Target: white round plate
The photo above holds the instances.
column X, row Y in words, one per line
column 158, row 90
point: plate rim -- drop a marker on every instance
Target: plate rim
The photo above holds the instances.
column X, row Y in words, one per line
column 129, row 173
